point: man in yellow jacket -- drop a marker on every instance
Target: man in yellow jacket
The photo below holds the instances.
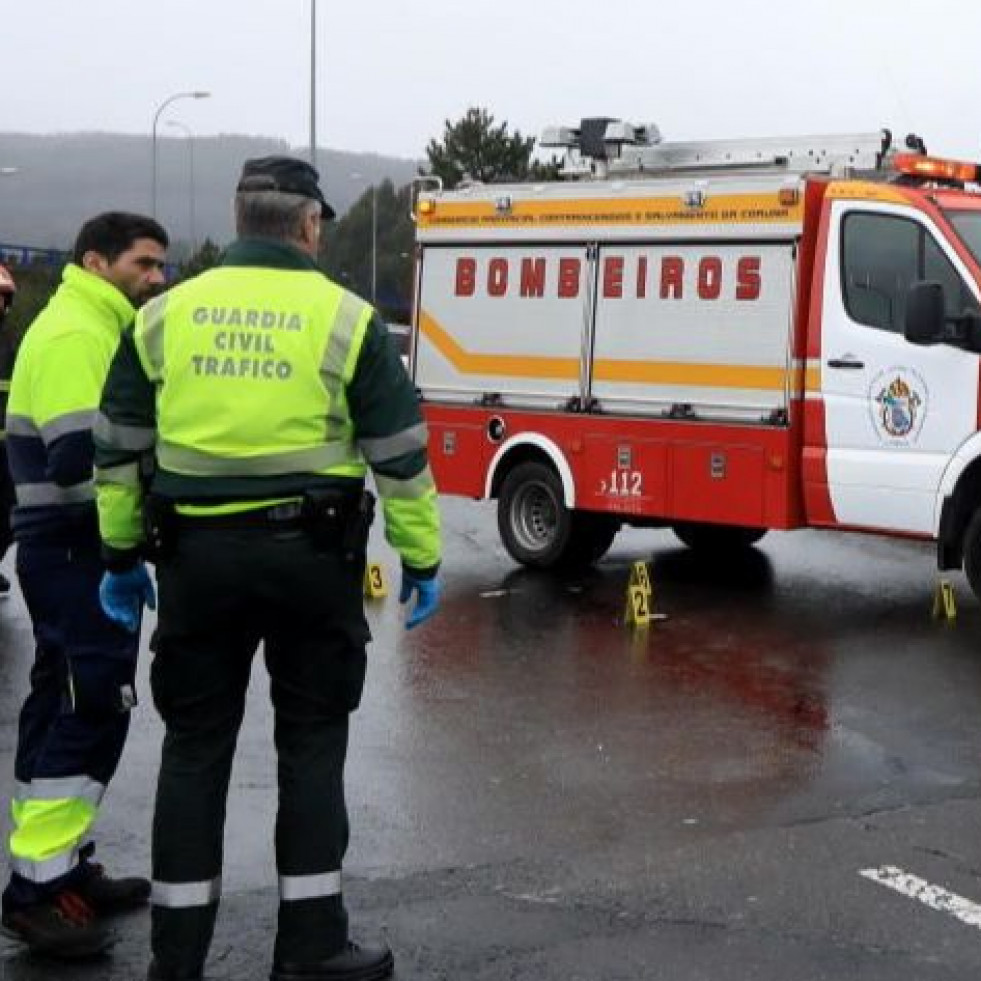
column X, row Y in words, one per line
column 259, row 394
column 74, row 722
column 8, row 290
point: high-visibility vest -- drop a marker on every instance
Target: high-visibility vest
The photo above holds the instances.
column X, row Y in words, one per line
column 54, row 394
column 251, row 366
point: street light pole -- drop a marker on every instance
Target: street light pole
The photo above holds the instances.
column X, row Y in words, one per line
column 313, row 82
column 374, row 244
column 153, row 140
column 177, row 124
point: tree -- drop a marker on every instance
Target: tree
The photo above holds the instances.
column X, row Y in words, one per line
column 208, row 255
column 474, row 147
column 348, row 249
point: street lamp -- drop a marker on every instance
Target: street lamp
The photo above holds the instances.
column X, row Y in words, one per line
column 186, row 130
column 374, row 238
column 153, row 138
column 313, row 82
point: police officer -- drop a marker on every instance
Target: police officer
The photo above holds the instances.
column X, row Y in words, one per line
column 8, row 289
column 74, row 722
column 263, row 391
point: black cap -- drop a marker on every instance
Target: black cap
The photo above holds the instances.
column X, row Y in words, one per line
column 286, row 174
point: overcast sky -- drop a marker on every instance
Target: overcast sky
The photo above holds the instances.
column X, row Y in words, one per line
column 391, row 71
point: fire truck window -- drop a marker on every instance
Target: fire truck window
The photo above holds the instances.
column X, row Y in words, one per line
column 880, row 261
column 937, row 267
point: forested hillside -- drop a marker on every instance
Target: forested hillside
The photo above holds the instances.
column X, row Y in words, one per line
column 62, row 179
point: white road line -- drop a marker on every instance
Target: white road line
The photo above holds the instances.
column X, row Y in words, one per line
column 933, row 896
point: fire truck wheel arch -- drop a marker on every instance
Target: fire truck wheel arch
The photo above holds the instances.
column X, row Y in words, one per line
column 548, row 448
column 957, row 475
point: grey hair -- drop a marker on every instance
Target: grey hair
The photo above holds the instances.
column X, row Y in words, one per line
column 272, row 214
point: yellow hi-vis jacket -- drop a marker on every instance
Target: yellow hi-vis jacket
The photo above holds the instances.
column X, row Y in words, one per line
column 252, row 383
column 54, row 394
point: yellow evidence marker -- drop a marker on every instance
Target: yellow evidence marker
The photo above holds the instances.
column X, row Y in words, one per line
column 639, row 599
column 944, row 604
column 638, row 606
column 639, row 576
column 375, row 586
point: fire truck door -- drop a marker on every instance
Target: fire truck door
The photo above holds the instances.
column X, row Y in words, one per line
column 895, row 412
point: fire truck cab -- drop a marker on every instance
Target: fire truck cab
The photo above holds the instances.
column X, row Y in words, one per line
column 722, row 337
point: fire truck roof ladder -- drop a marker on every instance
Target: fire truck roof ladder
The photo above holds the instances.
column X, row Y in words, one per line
column 606, row 147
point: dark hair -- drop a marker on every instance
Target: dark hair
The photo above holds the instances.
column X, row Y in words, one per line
column 113, row 232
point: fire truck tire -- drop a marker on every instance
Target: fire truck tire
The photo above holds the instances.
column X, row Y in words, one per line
column 716, row 538
column 535, row 525
column 972, row 553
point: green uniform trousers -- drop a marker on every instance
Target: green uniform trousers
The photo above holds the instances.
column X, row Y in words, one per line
column 224, row 589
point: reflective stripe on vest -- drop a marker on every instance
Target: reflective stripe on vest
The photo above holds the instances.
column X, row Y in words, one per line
column 180, row 459
column 121, row 437
column 390, row 447
column 49, row 494
column 124, row 475
column 153, row 335
column 335, row 369
column 412, row 489
column 186, row 895
column 70, row 422
column 297, row 887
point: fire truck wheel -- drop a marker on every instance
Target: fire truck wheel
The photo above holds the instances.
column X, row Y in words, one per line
column 972, row 553
column 535, row 525
column 716, row 538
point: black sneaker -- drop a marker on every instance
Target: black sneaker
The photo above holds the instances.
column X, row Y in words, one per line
column 354, row 963
column 107, row 895
column 65, row 928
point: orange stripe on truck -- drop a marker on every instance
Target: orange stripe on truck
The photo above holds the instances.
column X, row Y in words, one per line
column 506, row 365
column 683, row 373
column 757, row 377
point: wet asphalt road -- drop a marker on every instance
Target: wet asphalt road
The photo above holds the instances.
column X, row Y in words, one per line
column 539, row 792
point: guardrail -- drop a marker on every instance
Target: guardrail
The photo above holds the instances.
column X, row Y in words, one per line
column 29, row 255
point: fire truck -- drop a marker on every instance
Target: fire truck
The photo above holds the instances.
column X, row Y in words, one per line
column 719, row 337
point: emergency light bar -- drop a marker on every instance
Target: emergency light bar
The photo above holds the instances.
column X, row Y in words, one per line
column 936, row 168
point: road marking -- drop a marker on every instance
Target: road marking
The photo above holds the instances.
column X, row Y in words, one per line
column 930, row 895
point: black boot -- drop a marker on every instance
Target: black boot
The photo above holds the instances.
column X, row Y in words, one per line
column 157, row 973
column 354, row 963
column 64, row 927
column 106, row 895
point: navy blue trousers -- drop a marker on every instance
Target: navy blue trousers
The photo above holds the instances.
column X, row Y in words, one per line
column 74, row 721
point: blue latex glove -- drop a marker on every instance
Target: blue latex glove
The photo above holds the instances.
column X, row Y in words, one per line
column 122, row 595
column 427, row 590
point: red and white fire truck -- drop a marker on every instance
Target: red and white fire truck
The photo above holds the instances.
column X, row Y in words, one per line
column 721, row 337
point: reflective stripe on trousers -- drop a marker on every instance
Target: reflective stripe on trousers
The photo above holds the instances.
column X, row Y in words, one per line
column 319, row 886
column 52, row 817
column 47, row 871
column 186, row 895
